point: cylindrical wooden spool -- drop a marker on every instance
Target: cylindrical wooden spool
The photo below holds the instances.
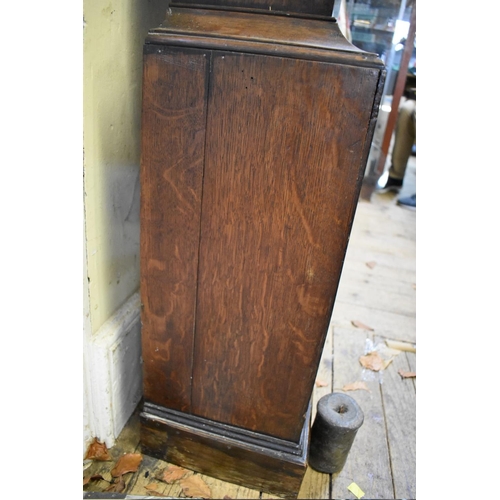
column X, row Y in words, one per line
column 337, row 421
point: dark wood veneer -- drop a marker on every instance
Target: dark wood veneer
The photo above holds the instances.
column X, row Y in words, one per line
column 219, row 452
column 254, row 149
column 311, row 7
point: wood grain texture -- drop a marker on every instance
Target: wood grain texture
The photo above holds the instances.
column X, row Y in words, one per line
column 324, row 376
column 400, row 412
column 173, row 139
column 145, row 478
column 310, row 39
column 368, row 462
column 384, row 235
column 282, row 176
column 385, row 224
column 412, row 362
column 314, row 7
column 315, row 484
column 221, row 489
column 223, row 458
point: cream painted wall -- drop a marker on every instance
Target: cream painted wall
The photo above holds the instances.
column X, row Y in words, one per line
column 114, row 33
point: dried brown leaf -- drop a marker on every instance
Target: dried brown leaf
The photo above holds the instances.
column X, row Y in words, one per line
column 152, row 490
column 321, row 383
column 407, row 374
column 371, row 264
column 359, row 324
column 373, row 361
column 118, row 486
column 97, row 451
column 94, row 477
column 194, row 486
column 171, row 474
column 127, row 463
column 356, row 386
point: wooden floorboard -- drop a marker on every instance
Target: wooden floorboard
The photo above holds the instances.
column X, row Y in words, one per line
column 368, row 462
column 399, row 407
column 378, row 289
column 388, row 324
column 315, row 484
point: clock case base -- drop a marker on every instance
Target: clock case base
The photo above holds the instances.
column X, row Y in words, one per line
column 229, row 453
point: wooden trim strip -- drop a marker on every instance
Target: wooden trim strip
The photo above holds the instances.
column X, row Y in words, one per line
column 248, row 465
column 284, row 13
column 312, row 39
column 207, row 42
column 239, row 435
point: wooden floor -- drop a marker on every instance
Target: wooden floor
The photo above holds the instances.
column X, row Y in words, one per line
column 377, row 290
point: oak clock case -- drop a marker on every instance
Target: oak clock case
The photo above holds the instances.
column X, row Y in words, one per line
column 255, row 134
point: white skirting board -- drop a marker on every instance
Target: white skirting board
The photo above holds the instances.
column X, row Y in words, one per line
column 113, row 378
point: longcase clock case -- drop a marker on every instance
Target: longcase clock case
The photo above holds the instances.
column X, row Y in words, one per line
column 255, row 134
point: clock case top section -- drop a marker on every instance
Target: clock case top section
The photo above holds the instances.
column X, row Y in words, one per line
column 308, row 7
column 257, row 33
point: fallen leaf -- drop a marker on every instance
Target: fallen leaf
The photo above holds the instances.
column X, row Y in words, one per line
column 194, row 486
column 321, row 383
column 356, row 386
column 171, row 473
column 151, row 489
column 87, row 479
column 118, row 486
column 358, row 324
column 371, row 264
column 373, row 361
column 407, row 374
column 127, row 463
column 97, row 451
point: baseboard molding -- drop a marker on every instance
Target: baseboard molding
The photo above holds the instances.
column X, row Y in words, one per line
column 115, row 371
column 232, row 454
